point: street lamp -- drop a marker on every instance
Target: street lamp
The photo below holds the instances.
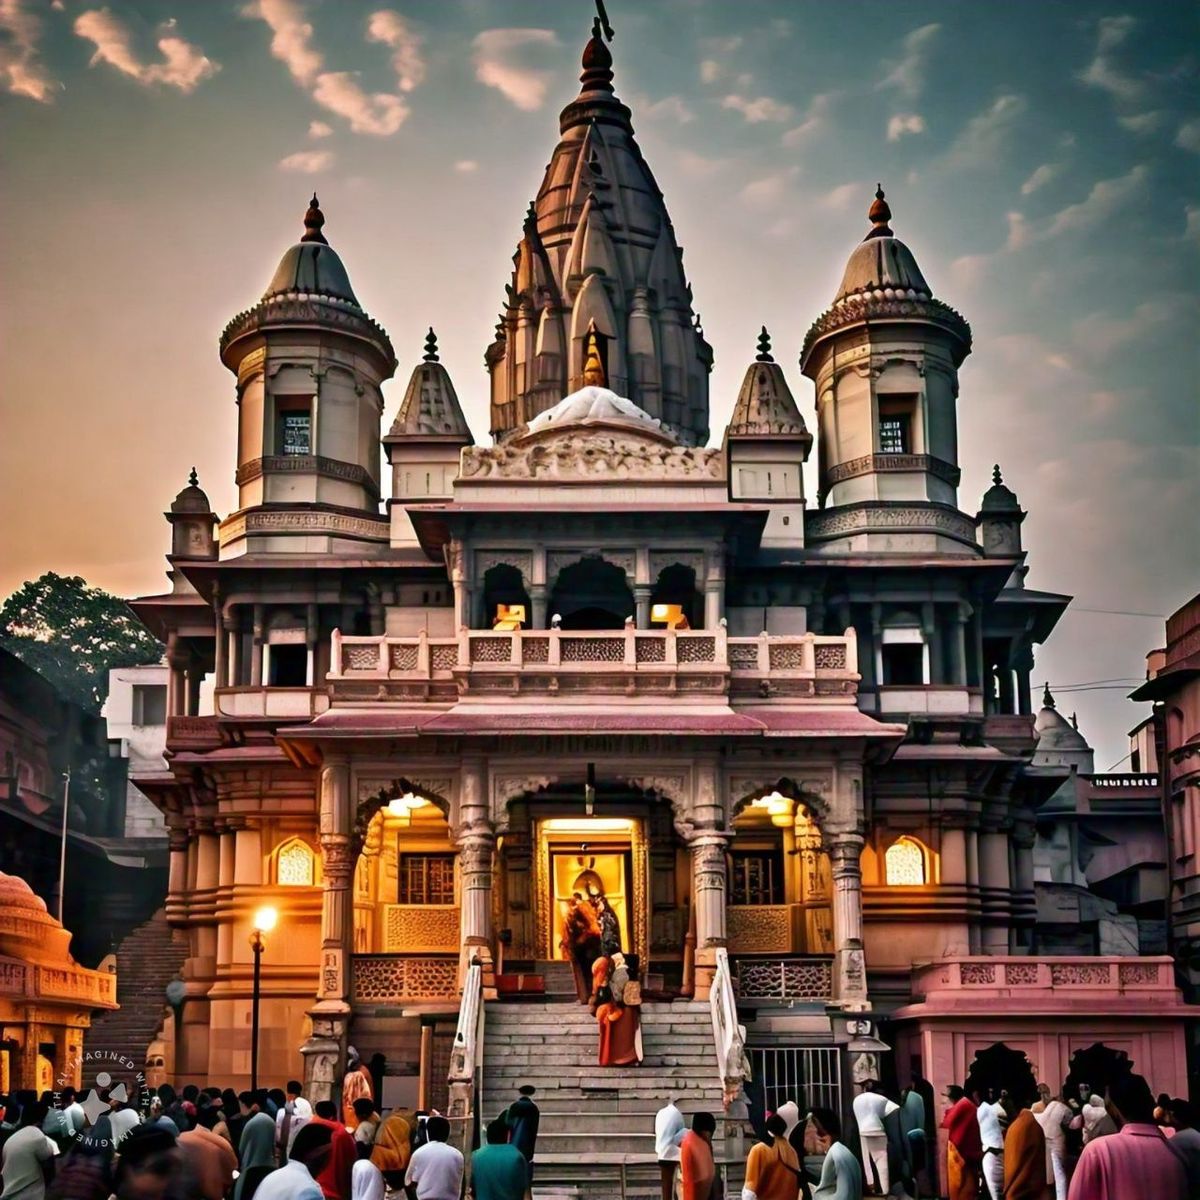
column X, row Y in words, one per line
column 264, row 922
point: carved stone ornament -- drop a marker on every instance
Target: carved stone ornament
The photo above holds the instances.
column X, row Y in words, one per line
column 592, row 458
column 887, row 515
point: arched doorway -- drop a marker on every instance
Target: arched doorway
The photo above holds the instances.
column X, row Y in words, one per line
column 676, row 584
column 1095, row 1070
column 592, row 594
column 503, row 584
column 1000, row 1068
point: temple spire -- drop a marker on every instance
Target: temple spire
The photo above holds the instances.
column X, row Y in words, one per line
column 193, row 479
column 879, row 215
column 314, row 219
column 997, row 478
column 1047, row 697
column 764, row 346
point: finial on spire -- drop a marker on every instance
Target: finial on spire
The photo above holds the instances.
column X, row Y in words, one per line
column 1074, row 722
column 597, row 58
column 997, row 478
column 879, row 215
column 1047, row 698
column 431, row 349
column 313, row 220
column 764, row 346
column 193, row 479
column 593, row 364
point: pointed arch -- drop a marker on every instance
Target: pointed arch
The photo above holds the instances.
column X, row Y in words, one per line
column 907, row 862
column 295, row 864
column 402, row 786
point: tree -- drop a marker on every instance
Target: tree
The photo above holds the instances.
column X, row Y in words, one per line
column 73, row 635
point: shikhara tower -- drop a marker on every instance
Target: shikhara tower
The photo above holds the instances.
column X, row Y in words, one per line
column 793, row 742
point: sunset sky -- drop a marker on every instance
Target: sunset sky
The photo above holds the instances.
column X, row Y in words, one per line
column 1042, row 160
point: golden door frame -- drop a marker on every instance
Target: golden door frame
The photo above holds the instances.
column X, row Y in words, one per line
column 543, row 901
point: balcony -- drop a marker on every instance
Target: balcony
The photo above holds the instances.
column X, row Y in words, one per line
column 270, row 703
column 703, row 664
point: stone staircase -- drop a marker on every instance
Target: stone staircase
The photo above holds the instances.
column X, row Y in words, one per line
column 597, row 1120
column 147, row 960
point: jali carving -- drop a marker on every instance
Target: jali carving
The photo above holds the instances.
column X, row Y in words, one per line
column 696, row 650
column 977, row 974
column 759, row 928
column 1020, row 974
column 1076, row 974
column 424, row 928
column 387, row 980
column 784, row 979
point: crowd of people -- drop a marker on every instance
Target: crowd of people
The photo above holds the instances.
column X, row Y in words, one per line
column 214, row 1144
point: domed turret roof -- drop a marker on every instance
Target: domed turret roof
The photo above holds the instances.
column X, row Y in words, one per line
column 1059, row 742
column 881, row 262
column 17, row 896
column 311, row 266
column 998, row 498
column 191, row 499
column 593, row 405
column 27, row 930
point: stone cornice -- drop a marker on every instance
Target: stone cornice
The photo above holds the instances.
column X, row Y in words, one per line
column 876, row 306
column 331, row 468
column 303, row 521
column 899, row 463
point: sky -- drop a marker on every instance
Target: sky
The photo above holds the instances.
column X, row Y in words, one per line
column 1042, row 160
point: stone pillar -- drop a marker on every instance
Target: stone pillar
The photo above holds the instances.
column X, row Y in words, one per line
column 312, row 629
column 537, row 601
column 641, row 605
column 256, row 652
column 975, row 943
column 323, row 1051
column 954, row 878
column 708, row 892
column 958, row 645
column 476, row 841
column 1025, row 903
column 994, row 891
column 714, row 591
column 850, row 971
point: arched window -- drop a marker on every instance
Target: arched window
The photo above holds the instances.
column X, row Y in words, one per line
column 905, row 863
column 295, row 864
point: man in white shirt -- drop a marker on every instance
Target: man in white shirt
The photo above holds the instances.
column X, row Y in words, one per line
column 870, row 1108
column 669, row 1131
column 121, row 1116
column 25, row 1156
column 435, row 1169
column 990, row 1113
column 296, row 1179
column 73, row 1111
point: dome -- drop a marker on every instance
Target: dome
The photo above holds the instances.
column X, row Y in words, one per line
column 191, row 499
column 312, row 265
column 1059, row 743
column 17, row 895
column 595, row 405
column 881, row 261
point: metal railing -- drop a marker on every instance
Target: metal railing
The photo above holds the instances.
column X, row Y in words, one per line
column 809, row 1075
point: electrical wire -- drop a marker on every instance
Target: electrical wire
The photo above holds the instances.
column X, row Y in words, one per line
column 1116, row 612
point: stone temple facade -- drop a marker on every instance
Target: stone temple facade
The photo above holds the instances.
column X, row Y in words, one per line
column 791, row 734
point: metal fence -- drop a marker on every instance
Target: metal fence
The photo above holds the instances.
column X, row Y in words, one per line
column 809, row 1075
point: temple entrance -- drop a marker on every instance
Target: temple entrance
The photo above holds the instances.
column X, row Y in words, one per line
column 1095, row 1070
column 999, row 1068
column 591, row 884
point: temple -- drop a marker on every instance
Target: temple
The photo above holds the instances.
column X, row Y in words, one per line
column 793, row 743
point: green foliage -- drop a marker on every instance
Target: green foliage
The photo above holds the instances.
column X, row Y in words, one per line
column 73, row 634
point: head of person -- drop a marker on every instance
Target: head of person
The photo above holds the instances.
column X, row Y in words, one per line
column 526, row 1090
column 1044, row 1093
column 166, row 1093
column 826, row 1123
column 277, row 1097
column 364, row 1108
column 1182, row 1113
column 67, row 1096
column 326, row 1110
column 1131, row 1100
column 148, row 1164
column 229, row 1101
column 954, row 1093
column 312, row 1147
column 497, row 1132
column 705, row 1125
column 438, row 1129
column 352, row 1058
column 248, row 1103
column 156, row 1107
column 208, row 1115
column 776, row 1125
column 869, row 1085
column 191, row 1093
column 294, row 1088
column 34, row 1113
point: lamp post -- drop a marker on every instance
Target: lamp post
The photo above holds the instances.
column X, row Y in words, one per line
column 264, row 922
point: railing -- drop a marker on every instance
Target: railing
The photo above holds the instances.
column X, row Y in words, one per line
column 728, row 1036
column 789, row 979
column 396, row 979
column 1081, row 977
column 697, row 659
column 193, row 733
column 466, row 1056
column 91, row 989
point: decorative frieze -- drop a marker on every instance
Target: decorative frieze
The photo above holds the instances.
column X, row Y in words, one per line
column 881, row 514
column 869, row 464
column 592, row 458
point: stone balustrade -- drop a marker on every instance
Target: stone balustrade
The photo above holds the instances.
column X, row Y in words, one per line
column 270, row 703
column 33, row 981
column 704, row 661
column 788, row 978
column 403, row 978
column 1100, row 981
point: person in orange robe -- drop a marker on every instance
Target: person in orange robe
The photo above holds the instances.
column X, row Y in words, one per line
column 964, row 1152
column 773, row 1171
column 600, row 971
column 1025, row 1159
column 357, row 1085
column 618, row 1031
column 697, row 1169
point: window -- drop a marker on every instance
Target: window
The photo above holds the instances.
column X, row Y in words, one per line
column 294, row 865
column 895, row 424
column 293, row 425
column 289, row 665
column 149, row 704
column 904, row 863
column 757, row 877
column 426, row 879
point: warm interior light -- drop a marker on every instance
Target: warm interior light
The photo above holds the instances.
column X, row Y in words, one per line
column 509, row 617
column 778, row 807
column 265, row 919
column 587, row 825
column 670, row 615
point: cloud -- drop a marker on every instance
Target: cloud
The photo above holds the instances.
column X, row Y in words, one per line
column 907, row 74
column 1107, row 197
column 20, row 65
column 392, row 30
column 307, row 162
column 501, row 62
column 1099, row 334
column 318, row 129
column 376, row 113
column 816, row 118
column 698, row 166
column 985, row 136
column 842, row 196
column 1191, row 229
column 762, row 108
column 767, row 191
column 183, row 65
column 710, row 70
column 903, row 123
column 1103, row 72
column 466, row 166
column 379, row 114
column 1141, row 123
column 1188, row 137
column 673, row 108
column 290, row 36
column 1040, row 177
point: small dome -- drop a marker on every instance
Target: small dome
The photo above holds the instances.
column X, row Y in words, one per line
column 593, row 406
column 1059, row 742
column 881, row 261
column 999, row 498
column 16, row 894
column 192, row 499
column 312, row 265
